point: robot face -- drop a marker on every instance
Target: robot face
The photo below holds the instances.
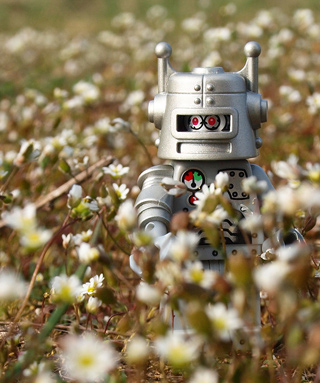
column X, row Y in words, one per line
column 215, row 122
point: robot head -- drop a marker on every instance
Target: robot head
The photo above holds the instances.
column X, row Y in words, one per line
column 208, row 114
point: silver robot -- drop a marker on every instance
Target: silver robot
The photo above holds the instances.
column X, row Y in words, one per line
column 208, row 121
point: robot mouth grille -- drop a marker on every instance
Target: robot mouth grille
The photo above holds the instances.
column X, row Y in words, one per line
column 202, row 148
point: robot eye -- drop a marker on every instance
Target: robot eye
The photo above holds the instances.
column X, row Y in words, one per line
column 195, row 122
column 212, row 122
column 218, row 122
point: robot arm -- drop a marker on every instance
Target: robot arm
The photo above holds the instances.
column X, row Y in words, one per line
column 154, row 207
column 279, row 238
column 260, row 174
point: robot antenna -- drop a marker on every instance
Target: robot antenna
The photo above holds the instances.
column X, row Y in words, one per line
column 163, row 51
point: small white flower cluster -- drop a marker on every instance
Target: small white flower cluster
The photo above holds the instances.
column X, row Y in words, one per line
column 313, row 103
column 69, row 289
column 24, row 221
column 271, row 276
column 290, row 94
column 116, row 171
column 84, row 93
column 82, row 207
column 208, row 209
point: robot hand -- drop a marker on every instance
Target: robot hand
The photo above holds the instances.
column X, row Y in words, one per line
column 279, row 239
column 162, row 241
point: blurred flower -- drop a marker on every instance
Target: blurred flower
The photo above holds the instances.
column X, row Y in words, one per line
column 229, row 9
column 93, row 304
column 193, row 25
column 221, row 181
column 87, row 91
column 224, row 320
column 34, row 369
column 303, row 18
column 265, row 19
column 214, row 35
column 297, row 75
column 252, row 223
column 177, row 350
column 313, row 102
column 86, row 253
column 94, row 283
column 116, row 171
column 84, row 236
column 157, row 12
column 292, row 252
column 205, row 193
column 121, row 191
column 21, row 219
column 148, row 294
column 126, row 216
column 169, row 273
column 289, row 170
column 173, row 187
column 85, row 208
column 91, row 203
column 283, row 201
column 313, row 172
column 87, row 358
column 33, row 239
column 183, row 245
column 24, row 221
column 204, row 375
column 29, row 151
column 103, row 125
column 137, row 351
column 289, row 94
column 4, row 121
column 39, row 277
column 74, row 196
column 73, row 103
column 135, row 98
column 65, row 289
column 212, row 59
column 270, row 202
column 269, row 277
column 216, row 217
column 252, row 185
column 194, row 273
column 60, row 93
column 11, row 286
column 118, row 124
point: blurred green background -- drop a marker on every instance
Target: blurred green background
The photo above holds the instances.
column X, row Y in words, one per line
column 75, row 16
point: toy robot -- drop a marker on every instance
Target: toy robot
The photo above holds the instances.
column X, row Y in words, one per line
column 208, row 121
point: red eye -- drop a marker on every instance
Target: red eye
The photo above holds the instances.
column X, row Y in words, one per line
column 212, row 122
column 195, row 122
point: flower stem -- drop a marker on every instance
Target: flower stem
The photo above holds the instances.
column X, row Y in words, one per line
column 46, row 330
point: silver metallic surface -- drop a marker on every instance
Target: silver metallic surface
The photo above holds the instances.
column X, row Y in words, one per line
column 199, row 93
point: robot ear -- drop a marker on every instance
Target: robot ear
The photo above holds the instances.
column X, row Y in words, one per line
column 250, row 71
column 163, row 51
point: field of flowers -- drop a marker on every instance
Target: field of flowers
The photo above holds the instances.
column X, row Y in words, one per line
column 74, row 139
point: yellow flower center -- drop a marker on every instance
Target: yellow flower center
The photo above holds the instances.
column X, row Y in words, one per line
column 86, row 360
column 197, row 275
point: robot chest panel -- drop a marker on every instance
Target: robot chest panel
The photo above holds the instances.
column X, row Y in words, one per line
column 196, row 175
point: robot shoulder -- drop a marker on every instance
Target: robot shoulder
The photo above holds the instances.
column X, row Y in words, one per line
column 258, row 172
column 155, row 174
